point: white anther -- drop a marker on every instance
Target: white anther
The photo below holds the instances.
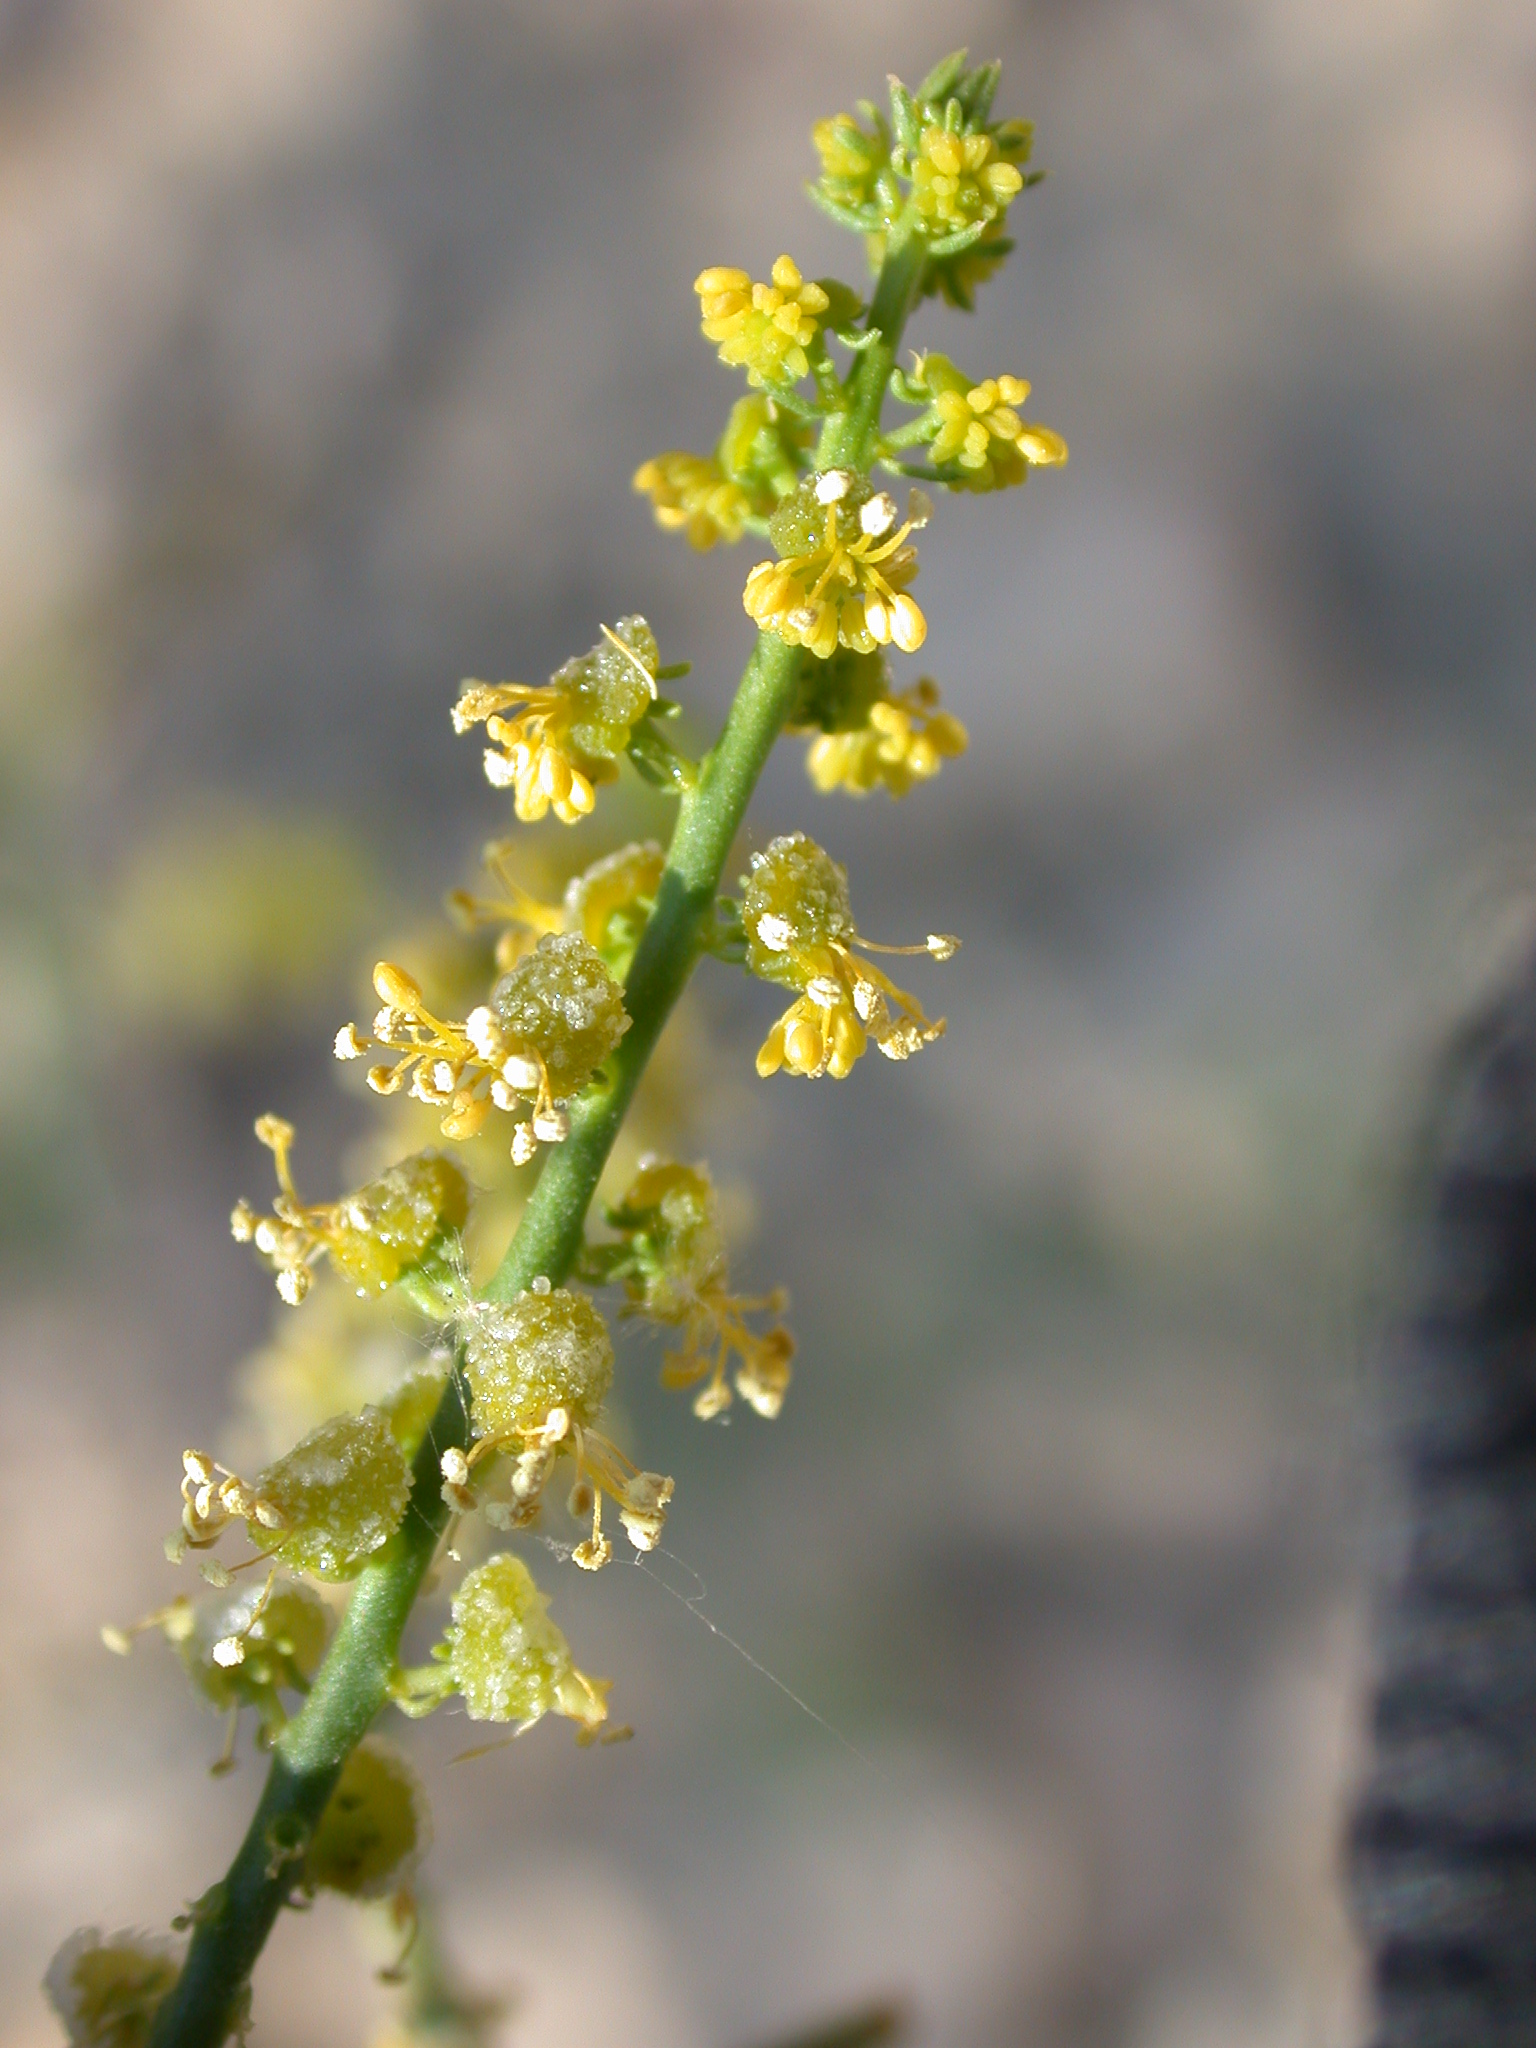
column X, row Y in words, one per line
column 445, row 1076
column 499, row 771
column 242, row 1223
column 803, row 618
column 269, row 1516
column 878, row 515
column 539, row 1285
column 229, row 1651
column 503, row 1096
column 293, row 1284
column 357, row 1215
column 522, row 1072
column 348, row 1045
column 199, row 1466
column 824, row 990
column 833, row 485
column 942, row 945
column 775, row 932
column 266, row 1235
column 384, row 1024
column 455, row 1467
column 557, row 1425
column 524, row 1144
column 482, row 1031
column 551, row 1126
column 864, row 994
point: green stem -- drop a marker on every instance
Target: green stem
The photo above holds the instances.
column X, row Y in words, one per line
column 233, row 1921
column 235, row 1918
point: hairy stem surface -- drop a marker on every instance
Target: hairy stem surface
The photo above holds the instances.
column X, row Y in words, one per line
column 233, row 1920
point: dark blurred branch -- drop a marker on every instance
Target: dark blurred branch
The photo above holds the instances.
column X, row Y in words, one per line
column 1444, row 1842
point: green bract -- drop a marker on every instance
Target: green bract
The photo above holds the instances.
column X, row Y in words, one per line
column 539, row 1352
column 373, row 1828
column 796, row 896
column 341, row 1492
column 562, row 1003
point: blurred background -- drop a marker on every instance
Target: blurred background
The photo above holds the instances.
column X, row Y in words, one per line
column 330, row 334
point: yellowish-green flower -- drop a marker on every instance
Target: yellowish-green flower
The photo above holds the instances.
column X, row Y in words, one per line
column 764, row 329
column 671, row 1259
column 800, row 933
column 852, row 159
column 505, row 1657
column 843, row 569
column 608, row 904
column 107, row 1991
column 907, row 739
column 569, row 733
column 959, row 181
column 980, row 432
column 373, row 1236
column 550, row 1024
column 692, row 494
column 373, row 1830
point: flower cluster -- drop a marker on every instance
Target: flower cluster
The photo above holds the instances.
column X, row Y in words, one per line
column 245, row 1648
column 538, row 1370
column 764, row 329
column 852, row 162
column 869, row 734
column 757, row 461
column 671, row 1259
column 323, row 1508
column 505, row 1658
column 800, row 933
column 978, row 439
column 108, row 1990
column 565, row 737
column 509, row 1408
column 906, row 739
column 693, row 494
column 551, row 1022
column 608, row 904
column 374, row 1236
column 842, row 569
column 960, row 180
column 373, row 1829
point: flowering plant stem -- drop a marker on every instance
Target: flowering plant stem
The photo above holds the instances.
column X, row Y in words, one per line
column 232, row 1921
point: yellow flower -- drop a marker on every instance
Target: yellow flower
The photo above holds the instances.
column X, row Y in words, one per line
column 550, row 1024
column 671, row 1259
column 373, row 1236
column 958, row 180
column 764, row 329
column 107, row 1991
column 692, row 492
column 847, row 586
column 800, row 933
column 526, row 919
column 569, row 733
column 608, row 903
column 907, row 739
column 979, row 430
